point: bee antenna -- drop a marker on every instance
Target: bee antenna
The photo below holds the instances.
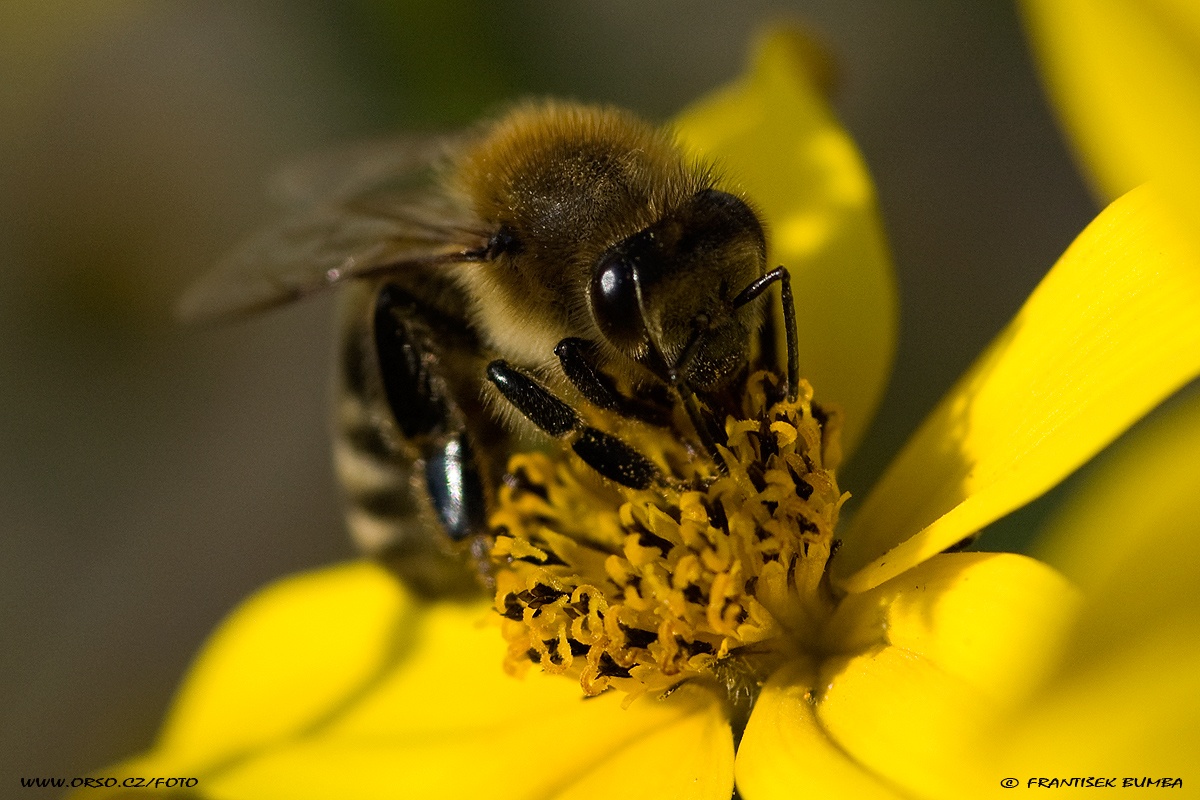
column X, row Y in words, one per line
column 751, row 293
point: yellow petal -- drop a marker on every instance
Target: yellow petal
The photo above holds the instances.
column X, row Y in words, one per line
column 1125, row 78
column 285, row 660
column 776, row 137
column 335, row 684
column 678, row 748
column 934, row 735
column 936, row 656
column 786, row 753
column 1110, row 332
column 1131, row 537
column 1128, row 697
column 902, row 717
column 994, row 620
column 1136, row 713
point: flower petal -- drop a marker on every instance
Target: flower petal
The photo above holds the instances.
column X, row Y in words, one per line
column 1135, row 713
column 1128, row 696
column 285, row 660
column 776, row 137
column 937, row 655
column 1131, row 537
column 785, row 752
column 994, row 620
column 336, row 684
column 567, row 749
column 1110, row 332
column 902, row 717
column 1125, row 78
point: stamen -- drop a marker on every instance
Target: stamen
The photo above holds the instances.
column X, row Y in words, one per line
column 708, row 574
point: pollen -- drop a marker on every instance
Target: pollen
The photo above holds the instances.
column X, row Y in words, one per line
column 711, row 574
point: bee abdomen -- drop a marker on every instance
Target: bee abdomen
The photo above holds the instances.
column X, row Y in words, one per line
column 377, row 478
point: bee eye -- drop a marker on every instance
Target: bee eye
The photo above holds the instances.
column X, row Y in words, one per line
column 613, row 294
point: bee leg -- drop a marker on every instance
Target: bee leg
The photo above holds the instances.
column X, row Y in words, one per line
column 614, row 459
column 417, row 404
column 426, row 416
column 601, row 451
column 455, row 489
column 577, row 358
column 751, row 292
column 533, row 400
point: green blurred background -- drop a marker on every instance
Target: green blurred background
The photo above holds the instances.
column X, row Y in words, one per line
column 153, row 475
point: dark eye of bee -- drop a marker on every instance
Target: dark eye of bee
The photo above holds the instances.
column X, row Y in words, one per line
column 614, row 297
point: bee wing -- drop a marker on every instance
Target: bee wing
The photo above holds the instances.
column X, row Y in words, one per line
column 372, row 227
column 402, row 162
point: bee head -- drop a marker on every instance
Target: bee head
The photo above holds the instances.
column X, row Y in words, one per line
column 664, row 297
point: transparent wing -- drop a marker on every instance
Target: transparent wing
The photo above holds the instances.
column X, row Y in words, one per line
column 371, row 220
column 402, row 162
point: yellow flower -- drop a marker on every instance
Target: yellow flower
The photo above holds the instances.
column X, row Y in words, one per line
column 1124, row 76
column 903, row 679
column 1126, row 700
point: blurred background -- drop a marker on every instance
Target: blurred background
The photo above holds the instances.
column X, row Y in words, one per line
column 153, row 475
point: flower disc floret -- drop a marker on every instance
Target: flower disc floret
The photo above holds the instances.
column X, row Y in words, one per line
column 709, row 574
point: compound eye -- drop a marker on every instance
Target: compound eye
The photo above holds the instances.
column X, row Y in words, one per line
column 614, row 299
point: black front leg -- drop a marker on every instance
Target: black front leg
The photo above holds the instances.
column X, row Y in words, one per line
column 577, row 357
column 614, row 459
column 601, row 451
column 533, row 400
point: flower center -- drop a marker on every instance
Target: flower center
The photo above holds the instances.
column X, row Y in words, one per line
column 710, row 574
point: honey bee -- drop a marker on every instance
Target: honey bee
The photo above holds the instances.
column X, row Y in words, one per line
column 559, row 248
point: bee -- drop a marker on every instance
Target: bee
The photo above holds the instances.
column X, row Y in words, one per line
column 558, row 248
